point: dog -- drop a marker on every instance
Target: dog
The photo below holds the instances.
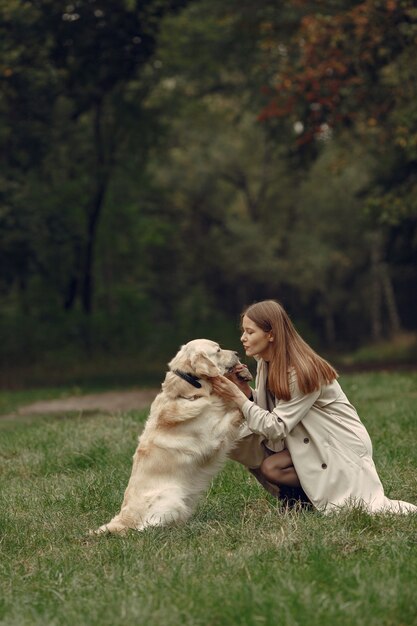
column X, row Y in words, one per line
column 185, row 441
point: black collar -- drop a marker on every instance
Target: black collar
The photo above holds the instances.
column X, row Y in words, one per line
column 190, row 378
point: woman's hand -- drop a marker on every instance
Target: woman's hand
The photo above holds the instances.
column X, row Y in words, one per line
column 228, row 390
column 240, row 382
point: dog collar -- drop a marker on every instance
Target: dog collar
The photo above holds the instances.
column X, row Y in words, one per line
column 190, row 378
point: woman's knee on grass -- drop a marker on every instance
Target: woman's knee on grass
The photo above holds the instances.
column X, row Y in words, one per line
column 273, row 465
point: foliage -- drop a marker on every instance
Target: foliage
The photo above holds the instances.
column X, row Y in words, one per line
column 354, row 70
column 85, row 70
column 393, row 353
column 143, row 202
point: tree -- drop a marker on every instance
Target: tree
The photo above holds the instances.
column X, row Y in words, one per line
column 353, row 72
column 74, row 84
column 349, row 73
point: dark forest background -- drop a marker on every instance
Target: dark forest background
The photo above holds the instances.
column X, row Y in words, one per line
column 166, row 162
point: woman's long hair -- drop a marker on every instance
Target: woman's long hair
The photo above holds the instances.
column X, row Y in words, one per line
column 290, row 351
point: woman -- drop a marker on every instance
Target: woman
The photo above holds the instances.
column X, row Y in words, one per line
column 300, row 429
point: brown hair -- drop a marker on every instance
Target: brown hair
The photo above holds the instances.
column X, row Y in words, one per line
column 291, row 351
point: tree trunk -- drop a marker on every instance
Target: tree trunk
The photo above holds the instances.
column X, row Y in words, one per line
column 382, row 292
column 94, row 213
column 329, row 327
column 388, row 291
column 88, row 277
column 376, row 295
column 71, row 293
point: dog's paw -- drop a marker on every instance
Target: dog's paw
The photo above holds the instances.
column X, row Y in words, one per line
column 98, row 531
column 110, row 528
column 244, row 373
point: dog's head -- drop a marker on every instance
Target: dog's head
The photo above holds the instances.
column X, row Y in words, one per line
column 204, row 358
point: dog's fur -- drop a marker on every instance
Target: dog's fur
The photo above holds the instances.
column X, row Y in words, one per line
column 185, row 442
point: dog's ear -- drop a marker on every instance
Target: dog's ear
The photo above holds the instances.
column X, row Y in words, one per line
column 202, row 365
column 180, row 360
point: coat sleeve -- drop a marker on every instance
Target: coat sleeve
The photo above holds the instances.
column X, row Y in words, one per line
column 284, row 417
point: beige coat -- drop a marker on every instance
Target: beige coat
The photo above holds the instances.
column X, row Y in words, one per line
column 330, row 447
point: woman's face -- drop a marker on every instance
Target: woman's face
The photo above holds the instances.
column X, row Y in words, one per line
column 256, row 341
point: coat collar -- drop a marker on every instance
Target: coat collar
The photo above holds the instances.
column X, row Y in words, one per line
column 261, row 385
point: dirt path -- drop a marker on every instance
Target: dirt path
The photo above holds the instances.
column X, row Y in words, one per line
column 125, row 400
column 108, row 402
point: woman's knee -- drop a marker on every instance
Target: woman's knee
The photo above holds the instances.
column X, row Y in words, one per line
column 269, row 468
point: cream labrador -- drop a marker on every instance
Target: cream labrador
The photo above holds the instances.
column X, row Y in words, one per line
column 185, row 441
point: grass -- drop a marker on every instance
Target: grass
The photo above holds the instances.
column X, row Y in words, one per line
column 241, row 560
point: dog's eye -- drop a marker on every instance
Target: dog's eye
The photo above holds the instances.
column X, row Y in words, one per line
column 218, row 349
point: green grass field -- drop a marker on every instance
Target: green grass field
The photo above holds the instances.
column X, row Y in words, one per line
column 241, row 560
